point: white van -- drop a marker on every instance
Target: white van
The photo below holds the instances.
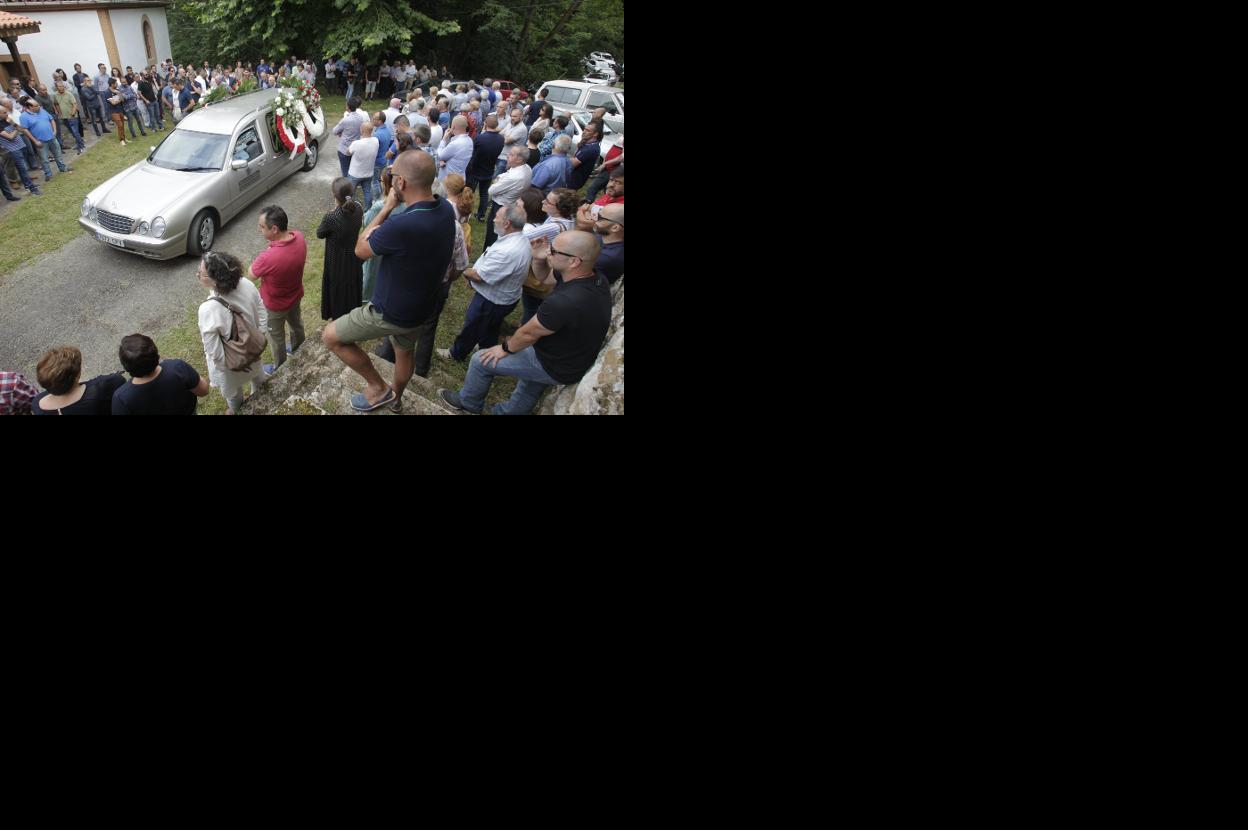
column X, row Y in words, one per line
column 573, row 95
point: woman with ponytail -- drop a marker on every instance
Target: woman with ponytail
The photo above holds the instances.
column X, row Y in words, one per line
column 462, row 199
column 341, row 282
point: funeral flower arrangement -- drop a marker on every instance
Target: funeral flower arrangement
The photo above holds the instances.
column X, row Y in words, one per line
column 299, row 114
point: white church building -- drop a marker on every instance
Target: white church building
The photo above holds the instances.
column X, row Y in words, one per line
column 112, row 32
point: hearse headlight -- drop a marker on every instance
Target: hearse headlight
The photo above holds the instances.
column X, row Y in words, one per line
column 158, row 227
column 86, row 208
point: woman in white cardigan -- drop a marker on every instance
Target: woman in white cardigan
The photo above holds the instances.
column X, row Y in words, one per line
column 223, row 275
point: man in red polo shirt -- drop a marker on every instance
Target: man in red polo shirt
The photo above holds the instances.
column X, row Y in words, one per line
column 611, row 166
column 280, row 271
column 615, row 190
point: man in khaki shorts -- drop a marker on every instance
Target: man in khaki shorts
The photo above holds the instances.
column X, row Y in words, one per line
column 415, row 247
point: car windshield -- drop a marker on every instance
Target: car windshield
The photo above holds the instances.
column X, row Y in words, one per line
column 191, row 151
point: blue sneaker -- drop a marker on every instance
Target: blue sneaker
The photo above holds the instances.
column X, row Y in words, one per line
column 269, row 368
column 36, row 192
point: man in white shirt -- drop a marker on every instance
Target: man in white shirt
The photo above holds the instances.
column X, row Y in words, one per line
column 363, row 157
column 331, row 76
column 498, row 278
column 435, row 134
column 508, row 187
column 394, row 111
column 515, row 134
column 456, row 149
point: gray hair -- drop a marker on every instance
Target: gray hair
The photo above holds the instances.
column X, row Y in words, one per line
column 516, row 215
column 563, row 144
column 520, row 149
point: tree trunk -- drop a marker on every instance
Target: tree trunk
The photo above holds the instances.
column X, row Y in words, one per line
column 524, row 36
column 572, row 9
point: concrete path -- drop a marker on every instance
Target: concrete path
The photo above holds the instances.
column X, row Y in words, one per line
column 90, row 296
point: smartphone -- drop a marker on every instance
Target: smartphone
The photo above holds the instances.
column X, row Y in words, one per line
column 594, row 210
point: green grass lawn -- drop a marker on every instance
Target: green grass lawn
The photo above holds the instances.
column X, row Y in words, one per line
column 56, row 212
column 107, row 158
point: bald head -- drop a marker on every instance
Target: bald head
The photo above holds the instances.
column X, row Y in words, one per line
column 459, row 124
column 579, row 244
column 612, row 213
column 396, row 102
column 417, row 169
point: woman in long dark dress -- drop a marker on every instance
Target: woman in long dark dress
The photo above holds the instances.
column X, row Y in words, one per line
column 343, row 279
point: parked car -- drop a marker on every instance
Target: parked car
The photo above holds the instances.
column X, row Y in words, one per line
column 600, row 56
column 451, row 89
column 205, row 172
column 507, row 87
column 599, row 66
column 580, row 118
column 573, row 95
column 601, row 78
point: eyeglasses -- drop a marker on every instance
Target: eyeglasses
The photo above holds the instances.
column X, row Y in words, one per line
column 563, row 253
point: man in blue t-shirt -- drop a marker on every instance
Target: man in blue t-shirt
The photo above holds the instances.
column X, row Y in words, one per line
column 167, row 101
column 42, row 125
column 416, row 249
column 384, row 135
column 586, row 156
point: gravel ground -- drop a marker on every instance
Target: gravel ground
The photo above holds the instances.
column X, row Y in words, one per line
column 88, row 295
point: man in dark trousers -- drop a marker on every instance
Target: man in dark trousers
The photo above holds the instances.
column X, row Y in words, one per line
column 480, row 173
column 559, row 344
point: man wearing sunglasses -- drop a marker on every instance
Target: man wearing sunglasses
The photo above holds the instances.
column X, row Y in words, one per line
column 566, row 334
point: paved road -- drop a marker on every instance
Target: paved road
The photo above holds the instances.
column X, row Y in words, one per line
column 91, row 296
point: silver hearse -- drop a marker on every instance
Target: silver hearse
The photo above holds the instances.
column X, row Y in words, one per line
column 216, row 162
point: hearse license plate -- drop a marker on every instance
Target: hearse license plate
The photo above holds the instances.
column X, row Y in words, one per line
column 114, row 242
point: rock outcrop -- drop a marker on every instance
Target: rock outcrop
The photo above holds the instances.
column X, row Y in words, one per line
column 601, row 391
column 313, row 381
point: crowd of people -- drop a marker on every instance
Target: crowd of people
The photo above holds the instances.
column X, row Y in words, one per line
column 390, row 259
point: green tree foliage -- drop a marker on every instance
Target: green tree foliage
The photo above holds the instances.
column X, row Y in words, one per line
column 528, row 41
column 247, row 29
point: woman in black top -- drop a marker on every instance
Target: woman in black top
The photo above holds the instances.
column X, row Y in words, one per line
column 58, row 372
column 342, row 283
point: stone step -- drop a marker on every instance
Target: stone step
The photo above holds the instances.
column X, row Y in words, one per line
column 313, row 381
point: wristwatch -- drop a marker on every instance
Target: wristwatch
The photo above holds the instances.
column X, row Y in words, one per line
column 503, row 343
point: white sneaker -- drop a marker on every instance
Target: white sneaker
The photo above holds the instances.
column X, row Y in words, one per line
column 445, row 354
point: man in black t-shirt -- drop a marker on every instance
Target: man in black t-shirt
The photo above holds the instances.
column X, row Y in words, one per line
column 156, row 388
column 566, row 334
column 147, row 96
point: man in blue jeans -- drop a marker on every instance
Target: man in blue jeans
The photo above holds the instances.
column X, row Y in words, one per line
column 560, row 344
column 11, row 142
column 41, row 124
